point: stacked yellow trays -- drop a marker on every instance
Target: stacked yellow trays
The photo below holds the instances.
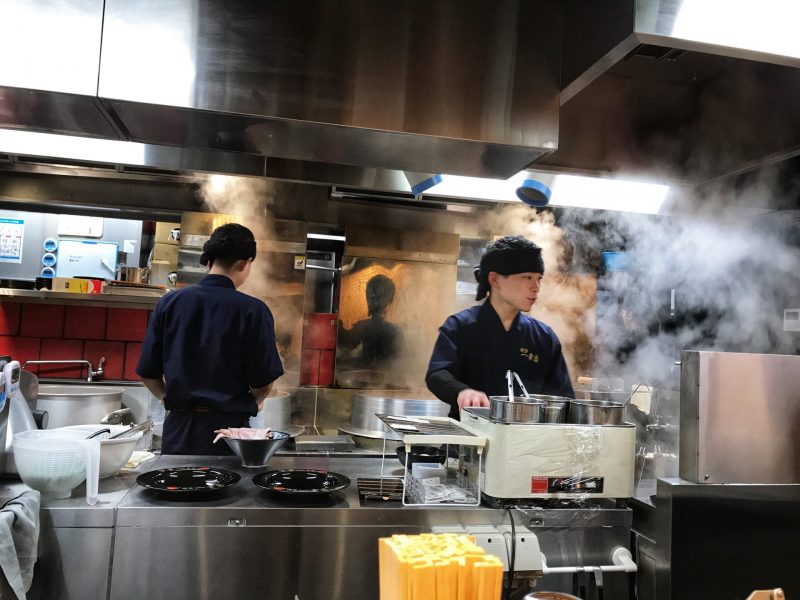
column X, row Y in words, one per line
column 443, row 566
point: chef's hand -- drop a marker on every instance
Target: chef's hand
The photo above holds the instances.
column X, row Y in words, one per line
column 471, row 397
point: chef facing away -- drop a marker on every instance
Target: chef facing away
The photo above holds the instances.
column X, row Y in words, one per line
column 209, row 353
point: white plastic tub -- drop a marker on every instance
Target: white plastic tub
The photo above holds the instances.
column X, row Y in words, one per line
column 113, row 453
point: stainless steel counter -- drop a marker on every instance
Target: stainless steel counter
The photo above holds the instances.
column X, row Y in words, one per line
column 73, row 511
column 246, row 543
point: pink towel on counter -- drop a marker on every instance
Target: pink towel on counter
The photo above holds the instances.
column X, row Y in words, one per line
column 242, row 433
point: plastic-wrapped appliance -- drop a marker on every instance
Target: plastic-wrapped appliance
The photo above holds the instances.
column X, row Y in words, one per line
column 20, row 417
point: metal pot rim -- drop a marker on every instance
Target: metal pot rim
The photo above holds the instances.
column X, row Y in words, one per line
column 517, row 400
column 598, row 403
column 62, row 390
column 551, row 399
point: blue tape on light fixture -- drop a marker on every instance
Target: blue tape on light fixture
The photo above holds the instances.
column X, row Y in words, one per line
column 426, row 184
column 534, row 193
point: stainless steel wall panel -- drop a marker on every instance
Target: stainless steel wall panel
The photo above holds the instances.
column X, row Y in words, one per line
column 74, row 563
column 51, row 45
column 739, row 418
column 50, row 65
column 248, row 563
column 53, row 112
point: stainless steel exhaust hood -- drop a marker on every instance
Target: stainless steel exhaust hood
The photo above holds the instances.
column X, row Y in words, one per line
column 354, row 92
column 443, row 86
column 691, row 90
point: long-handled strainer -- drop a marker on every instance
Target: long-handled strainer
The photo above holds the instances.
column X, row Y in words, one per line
column 510, row 382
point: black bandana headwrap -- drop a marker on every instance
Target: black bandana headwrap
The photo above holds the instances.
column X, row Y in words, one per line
column 507, row 256
column 231, row 241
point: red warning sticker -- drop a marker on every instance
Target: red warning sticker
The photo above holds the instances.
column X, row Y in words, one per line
column 538, row 485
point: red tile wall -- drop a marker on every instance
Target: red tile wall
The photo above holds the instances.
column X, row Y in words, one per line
column 31, row 331
column 58, row 349
column 114, row 353
column 9, row 318
column 20, row 348
column 132, row 352
column 42, row 320
column 126, row 324
column 85, row 322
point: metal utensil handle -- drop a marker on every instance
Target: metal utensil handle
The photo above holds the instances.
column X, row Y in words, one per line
column 521, row 385
column 146, row 426
column 98, row 432
column 636, row 389
column 115, row 417
column 510, row 382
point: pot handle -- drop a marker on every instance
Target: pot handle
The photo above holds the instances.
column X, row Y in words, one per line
column 114, row 418
column 92, row 451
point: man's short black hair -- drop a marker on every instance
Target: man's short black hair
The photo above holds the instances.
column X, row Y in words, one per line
column 228, row 244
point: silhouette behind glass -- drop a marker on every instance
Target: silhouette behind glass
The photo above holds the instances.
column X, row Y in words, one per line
column 379, row 339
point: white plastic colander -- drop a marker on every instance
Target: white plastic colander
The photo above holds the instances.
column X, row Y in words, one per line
column 56, row 462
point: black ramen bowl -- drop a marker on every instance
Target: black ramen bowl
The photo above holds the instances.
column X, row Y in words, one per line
column 301, row 482
column 256, row 453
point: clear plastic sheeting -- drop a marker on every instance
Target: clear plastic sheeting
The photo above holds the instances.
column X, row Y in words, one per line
column 656, row 413
column 574, row 457
column 529, row 463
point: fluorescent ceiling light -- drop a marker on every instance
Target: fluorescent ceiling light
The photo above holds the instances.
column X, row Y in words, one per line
column 325, row 236
column 608, row 194
column 766, row 26
column 71, row 147
column 568, row 190
column 499, row 190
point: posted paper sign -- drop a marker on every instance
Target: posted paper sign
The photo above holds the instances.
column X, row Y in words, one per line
column 11, row 232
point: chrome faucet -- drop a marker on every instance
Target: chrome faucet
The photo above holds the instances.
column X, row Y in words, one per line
column 89, row 378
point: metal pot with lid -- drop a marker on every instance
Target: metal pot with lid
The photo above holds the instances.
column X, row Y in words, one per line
column 365, row 404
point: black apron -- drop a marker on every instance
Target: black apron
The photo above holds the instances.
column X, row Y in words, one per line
column 192, row 431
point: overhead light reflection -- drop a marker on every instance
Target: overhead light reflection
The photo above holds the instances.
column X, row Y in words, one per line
column 567, row 190
column 608, row 194
column 326, row 236
column 70, row 147
column 768, row 26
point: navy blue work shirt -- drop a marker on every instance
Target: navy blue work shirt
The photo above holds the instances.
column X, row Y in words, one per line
column 212, row 344
column 476, row 349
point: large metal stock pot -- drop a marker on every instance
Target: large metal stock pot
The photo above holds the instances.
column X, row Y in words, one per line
column 275, row 413
column 78, row 404
column 364, row 425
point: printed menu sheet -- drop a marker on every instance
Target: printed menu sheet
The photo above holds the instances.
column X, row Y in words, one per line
column 11, row 231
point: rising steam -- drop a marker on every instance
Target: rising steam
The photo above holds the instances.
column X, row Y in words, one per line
column 698, row 283
column 249, row 201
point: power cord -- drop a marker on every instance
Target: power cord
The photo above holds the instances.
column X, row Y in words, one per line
column 513, row 556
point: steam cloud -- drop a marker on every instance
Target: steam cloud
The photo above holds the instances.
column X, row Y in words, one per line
column 250, row 201
column 732, row 279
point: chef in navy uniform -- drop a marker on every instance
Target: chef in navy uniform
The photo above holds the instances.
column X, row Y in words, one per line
column 209, row 354
column 478, row 345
